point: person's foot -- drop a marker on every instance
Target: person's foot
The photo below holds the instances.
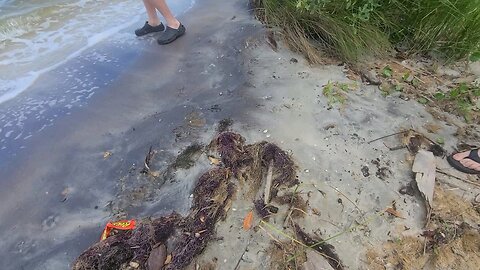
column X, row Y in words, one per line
column 467, row 162
column 171, row 34
column 147, row 29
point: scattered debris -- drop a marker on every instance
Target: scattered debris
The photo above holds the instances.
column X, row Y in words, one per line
column 268, row 183
column 156, row 259
column 415, row 141
column 214, row 161
column 316, row 261
column 450, row 240
column 371, row 77
column 247, row 222
column 187, row 157
column 319, row 245
column 111, row 227
column 270, row 37
column 107, row 154
column 212, row 198
column 394, row 212
column 365, row 171
column 224, row 125
column 148, row 159
column 424, row 167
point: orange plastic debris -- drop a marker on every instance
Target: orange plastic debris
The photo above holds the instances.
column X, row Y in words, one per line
column 123, row 225
column 247, row 222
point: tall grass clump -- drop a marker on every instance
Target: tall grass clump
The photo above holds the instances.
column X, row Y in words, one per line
column 450, row 27
column 354, row 29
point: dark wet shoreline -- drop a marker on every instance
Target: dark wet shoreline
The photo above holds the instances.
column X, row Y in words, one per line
column 146, row 106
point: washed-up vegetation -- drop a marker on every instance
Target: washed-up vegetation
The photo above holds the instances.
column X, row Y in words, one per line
column 355, row 29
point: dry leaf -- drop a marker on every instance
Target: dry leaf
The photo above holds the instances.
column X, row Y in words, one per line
column 394, row 212
column 202, row 219
column 214, row 161
column 247, row 222
column 107, row 154
column 424, row 167
column 169, row 259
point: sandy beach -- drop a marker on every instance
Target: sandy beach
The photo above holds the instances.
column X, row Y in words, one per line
column 60, row 187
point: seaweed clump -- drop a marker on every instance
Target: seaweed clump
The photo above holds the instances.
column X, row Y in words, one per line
column 212, row 197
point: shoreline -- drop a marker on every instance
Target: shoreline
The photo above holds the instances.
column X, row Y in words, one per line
column 68, row 159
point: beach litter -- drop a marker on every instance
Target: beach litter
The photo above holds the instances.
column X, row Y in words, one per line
column 113, row 227
column 184, row 237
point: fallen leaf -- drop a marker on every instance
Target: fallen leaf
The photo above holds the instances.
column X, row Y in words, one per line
column 169, row 259
column 214, row 161
column 247, row 222
column 202, row 219
column 107, row 154
column 157, row 258
column 424, row 166
column 394, row 212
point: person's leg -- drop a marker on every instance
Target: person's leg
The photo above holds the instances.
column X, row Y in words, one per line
column 153, row 24
column 174, row 28
column 172, row 22
column 151, row 13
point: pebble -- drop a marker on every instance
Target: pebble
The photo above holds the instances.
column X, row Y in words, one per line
column 134, row 265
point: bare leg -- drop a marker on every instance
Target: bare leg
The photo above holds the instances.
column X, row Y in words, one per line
column 166, row 13
column 151, row 13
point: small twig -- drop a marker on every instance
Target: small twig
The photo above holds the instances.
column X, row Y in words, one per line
column 354, row 204
column 386, row 136
column 241, row 257
column 395, row 148
column 268, row 185
column 458, row 178
column 424, row 246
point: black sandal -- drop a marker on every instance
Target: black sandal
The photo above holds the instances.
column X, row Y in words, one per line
column 147, row 29
column 457, row 165
column 170, row 35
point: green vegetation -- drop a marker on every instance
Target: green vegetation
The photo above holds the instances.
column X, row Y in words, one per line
column 335, row 92
column 464, row 100
column 353, row 29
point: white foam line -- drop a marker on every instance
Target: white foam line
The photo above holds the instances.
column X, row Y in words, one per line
column 33, row 76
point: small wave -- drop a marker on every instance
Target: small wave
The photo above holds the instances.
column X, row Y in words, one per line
column 46, row 37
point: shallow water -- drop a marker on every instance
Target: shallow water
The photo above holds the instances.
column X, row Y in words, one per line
column 55, row 55
column 37, row 36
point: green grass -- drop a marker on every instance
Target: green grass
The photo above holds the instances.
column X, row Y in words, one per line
column 464, row 100
column 356, row 29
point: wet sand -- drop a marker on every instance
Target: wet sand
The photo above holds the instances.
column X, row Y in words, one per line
column 156, row 90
